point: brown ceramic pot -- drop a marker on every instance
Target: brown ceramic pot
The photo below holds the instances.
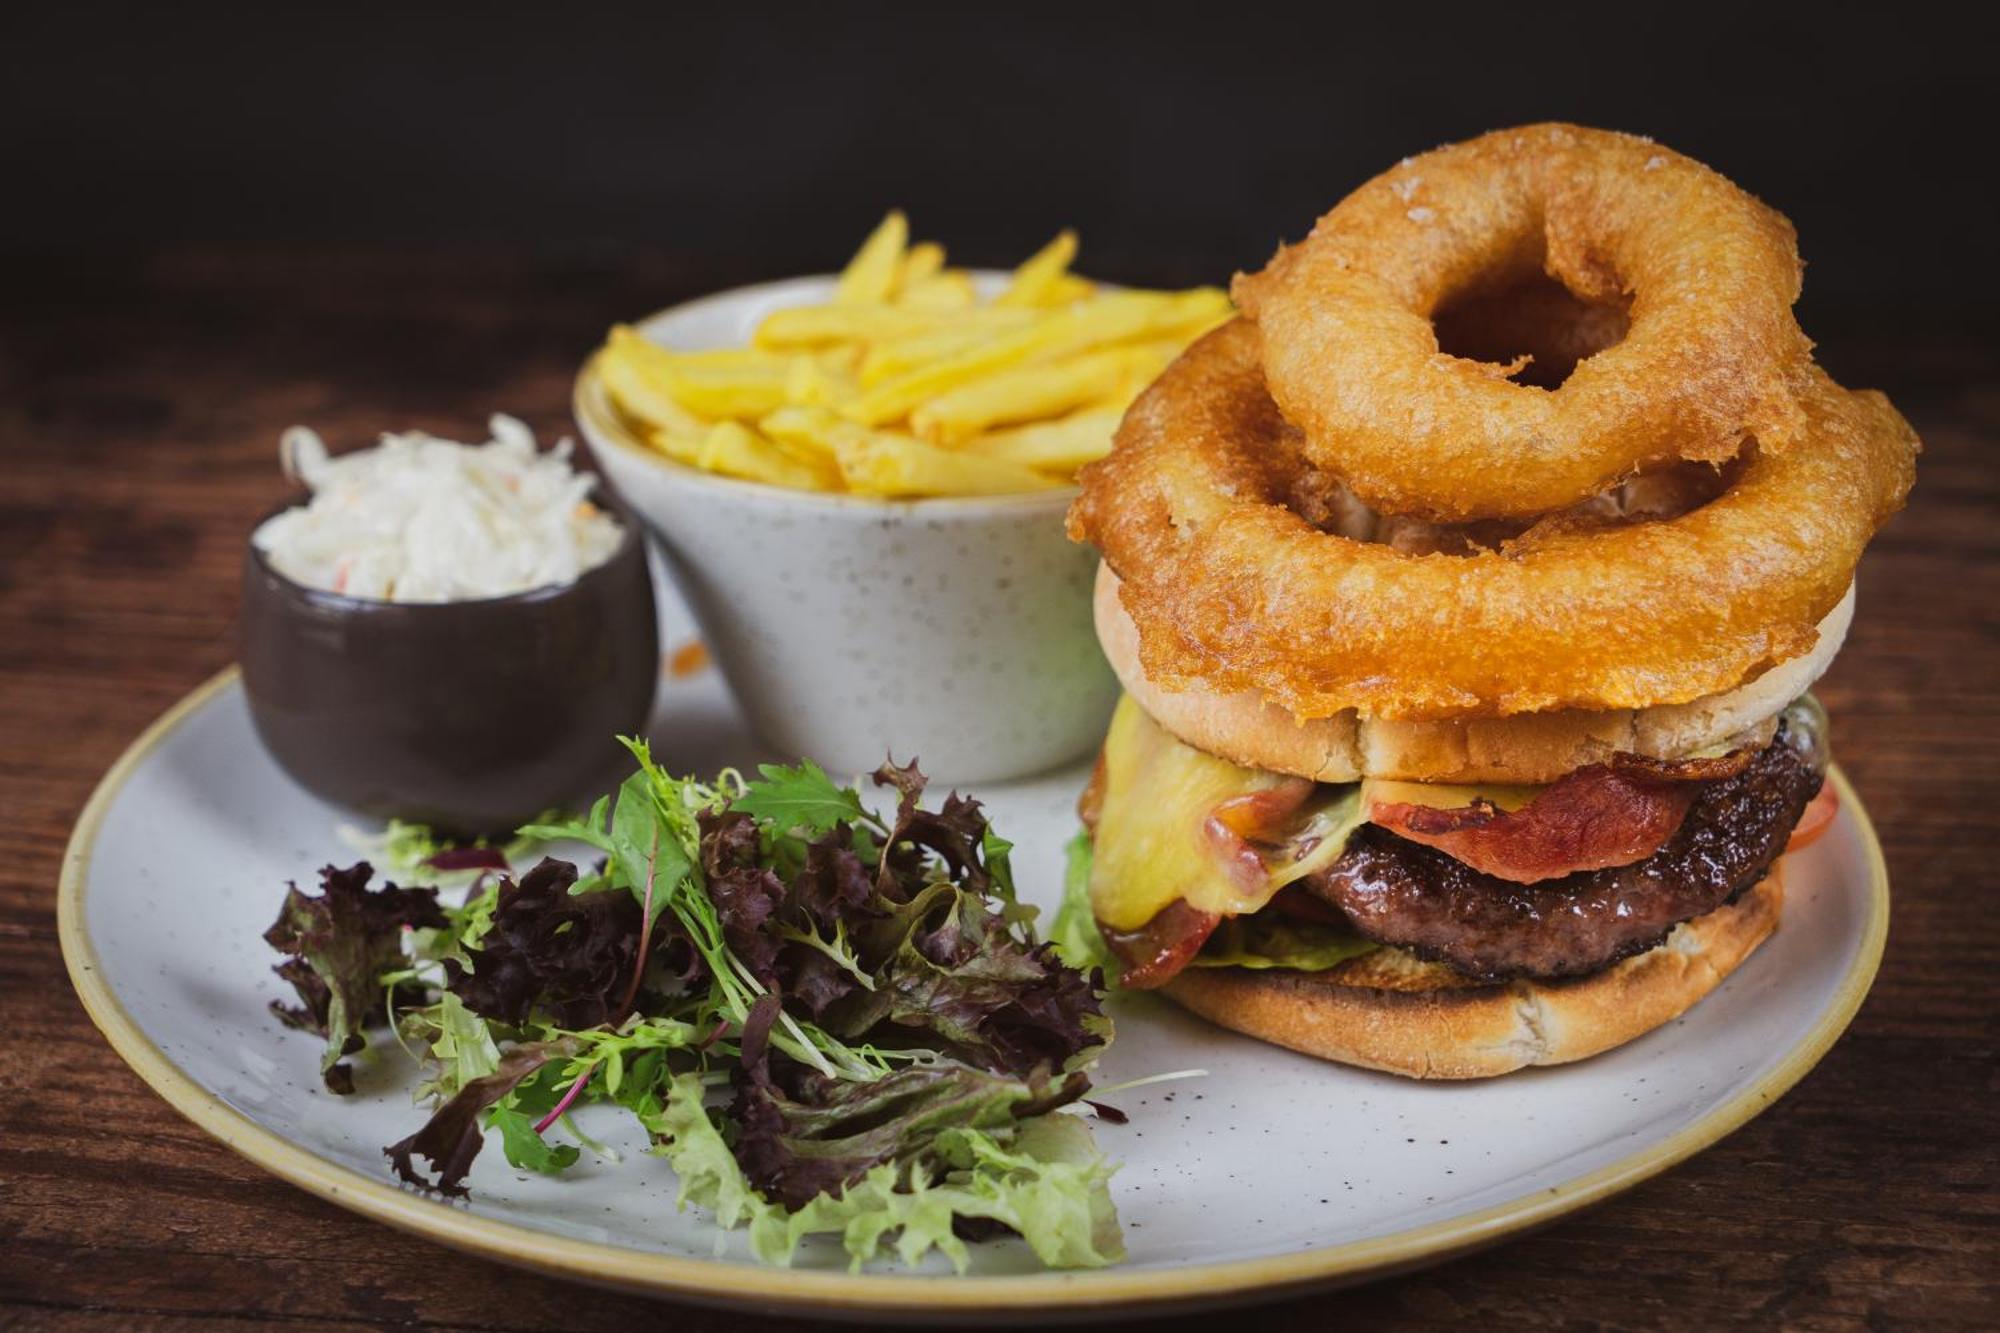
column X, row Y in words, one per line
column 474, row 716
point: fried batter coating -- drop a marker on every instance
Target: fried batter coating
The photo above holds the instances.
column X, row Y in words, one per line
column 1233, row 588
column 1678, row 341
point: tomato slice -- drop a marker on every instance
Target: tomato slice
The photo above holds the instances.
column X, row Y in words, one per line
column 1817, row 819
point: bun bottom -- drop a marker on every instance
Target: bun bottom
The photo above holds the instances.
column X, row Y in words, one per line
column 1389, row 1011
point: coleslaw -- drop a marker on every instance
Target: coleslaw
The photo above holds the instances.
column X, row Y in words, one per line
column 417, row 518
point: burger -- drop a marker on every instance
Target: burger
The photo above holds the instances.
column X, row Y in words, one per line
column 1384, row 789
column 1247, row 864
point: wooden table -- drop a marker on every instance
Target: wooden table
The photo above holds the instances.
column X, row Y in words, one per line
column 142, row 404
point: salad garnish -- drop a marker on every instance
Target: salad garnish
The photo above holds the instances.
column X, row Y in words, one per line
column 827, row 1019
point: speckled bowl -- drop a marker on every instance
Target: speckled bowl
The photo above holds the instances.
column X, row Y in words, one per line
column 470, row 716
column 956, row 630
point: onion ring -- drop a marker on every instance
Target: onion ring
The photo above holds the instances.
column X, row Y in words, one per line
column 1232, row 589
column 1710, row 354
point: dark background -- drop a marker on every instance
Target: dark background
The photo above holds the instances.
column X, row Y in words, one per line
column 1181, row 147
column 214, row 225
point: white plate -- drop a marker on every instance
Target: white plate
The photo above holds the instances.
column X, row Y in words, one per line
column 1273, row 1174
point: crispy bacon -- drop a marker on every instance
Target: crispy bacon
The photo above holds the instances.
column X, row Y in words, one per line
column 1153, row 953
column 1235, row 827
column 1713, row 769
column 1090, row 801
column 1439, row 908
column 1605, row 815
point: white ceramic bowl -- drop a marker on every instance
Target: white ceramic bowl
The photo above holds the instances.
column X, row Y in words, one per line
column 956, row 630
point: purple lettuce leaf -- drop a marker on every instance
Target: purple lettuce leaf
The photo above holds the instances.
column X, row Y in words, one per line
column 800, row 1135
column 564, row 957
column 341, row 944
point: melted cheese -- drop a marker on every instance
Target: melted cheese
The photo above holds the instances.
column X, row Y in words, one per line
column 1443, row 795
column 1151, row 843
column 1151, row 846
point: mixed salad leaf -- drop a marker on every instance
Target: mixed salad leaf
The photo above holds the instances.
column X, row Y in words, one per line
column 340, row 946
column 826, row 1019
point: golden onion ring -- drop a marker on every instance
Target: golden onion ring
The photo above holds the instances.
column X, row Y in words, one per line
column 1232, row 589
column 1710, row 354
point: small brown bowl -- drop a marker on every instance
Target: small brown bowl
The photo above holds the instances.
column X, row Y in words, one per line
column 473, row 717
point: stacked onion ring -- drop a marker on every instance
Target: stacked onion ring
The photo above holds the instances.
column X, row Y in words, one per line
column 1211, row 510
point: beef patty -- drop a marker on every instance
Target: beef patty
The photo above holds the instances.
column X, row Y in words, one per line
column 1411, row 896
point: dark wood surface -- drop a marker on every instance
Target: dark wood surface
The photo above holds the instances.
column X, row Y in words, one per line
column 140, row 404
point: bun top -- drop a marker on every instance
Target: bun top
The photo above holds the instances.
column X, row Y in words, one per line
column 1524, row 748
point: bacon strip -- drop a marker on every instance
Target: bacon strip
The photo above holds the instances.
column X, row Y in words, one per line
column 1685, row 770
column 1605, row 815
column 1233, row 828
column 1090, row 801
column 1153, row 953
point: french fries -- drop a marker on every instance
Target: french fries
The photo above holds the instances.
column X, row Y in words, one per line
column 1037, row 279
column 1031, row 393
column 906, row 384
column 894, row 466
column 871, row 275
column 1060, row 447
column 734, row 450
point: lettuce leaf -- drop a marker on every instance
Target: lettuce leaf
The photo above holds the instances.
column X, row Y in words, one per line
column 803, row 797
column 1074, row 931
column 340, row 945
column 1042, row 1177
column 458, row 1044
column 897, row 1039
column 526, row 1148
column 818, row 1135
column 454, row 1134
column 548, row 950
column 699, row 1155
column 952, row 971
column 1269, row 940
column 1049, row 1183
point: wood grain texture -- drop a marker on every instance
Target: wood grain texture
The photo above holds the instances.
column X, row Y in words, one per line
column 140, row 405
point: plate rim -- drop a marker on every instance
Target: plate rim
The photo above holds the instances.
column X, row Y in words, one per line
column 796, row 1291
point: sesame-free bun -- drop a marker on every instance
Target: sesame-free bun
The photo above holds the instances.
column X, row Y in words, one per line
column 1387, row 1010
column 1524, row 748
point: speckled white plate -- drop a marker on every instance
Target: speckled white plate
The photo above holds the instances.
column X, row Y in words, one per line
column 1273, row 1174
column 853, row 621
